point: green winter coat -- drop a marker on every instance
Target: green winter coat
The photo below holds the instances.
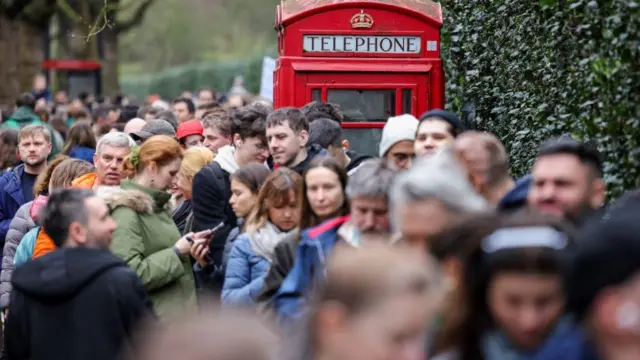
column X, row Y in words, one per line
column 144, row 238
column 24, row 116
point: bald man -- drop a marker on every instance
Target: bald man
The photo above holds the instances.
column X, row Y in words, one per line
column 487, row 163
column 134, row 125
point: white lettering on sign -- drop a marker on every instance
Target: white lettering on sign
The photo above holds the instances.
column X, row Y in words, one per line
column 362, row 44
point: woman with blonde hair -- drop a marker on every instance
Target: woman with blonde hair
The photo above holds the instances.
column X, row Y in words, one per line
column 195, row 158
column 146, row 237
column 275, row 216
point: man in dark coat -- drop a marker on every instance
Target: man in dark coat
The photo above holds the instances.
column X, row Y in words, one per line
column 212, row 184
column 80, row 301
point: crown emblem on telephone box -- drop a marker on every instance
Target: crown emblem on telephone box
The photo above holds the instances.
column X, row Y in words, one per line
column 361, row 21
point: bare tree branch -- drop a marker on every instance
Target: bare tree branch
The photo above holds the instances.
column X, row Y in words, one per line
column 136, row 19
column 67, row 10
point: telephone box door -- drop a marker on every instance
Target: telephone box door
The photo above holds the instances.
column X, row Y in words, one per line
column 367, row 101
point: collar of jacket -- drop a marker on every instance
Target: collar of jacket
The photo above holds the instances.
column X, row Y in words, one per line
column 160, row 197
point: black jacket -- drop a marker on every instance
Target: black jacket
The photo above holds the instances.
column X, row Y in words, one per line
column 356, row 161
column 313, row 151
column 285, row 253
column 210, row 202
column 74, row 303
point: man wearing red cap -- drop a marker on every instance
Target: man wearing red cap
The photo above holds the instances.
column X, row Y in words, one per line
column 190, row 133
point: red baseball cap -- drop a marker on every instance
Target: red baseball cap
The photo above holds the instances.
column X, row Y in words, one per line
column 191, row 127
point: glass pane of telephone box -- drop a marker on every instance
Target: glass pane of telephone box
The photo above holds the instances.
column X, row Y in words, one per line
column 364, row 105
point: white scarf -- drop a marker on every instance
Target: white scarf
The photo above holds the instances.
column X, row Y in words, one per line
column 264, row 241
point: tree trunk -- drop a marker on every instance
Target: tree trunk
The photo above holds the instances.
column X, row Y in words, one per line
column 110, row 75
column 31, row 54
column 9, row 84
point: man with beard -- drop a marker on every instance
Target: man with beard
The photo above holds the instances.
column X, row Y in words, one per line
column 16, row 185
column 567, row 180
column 110, row 152
column 288, row 138
column 80, row 301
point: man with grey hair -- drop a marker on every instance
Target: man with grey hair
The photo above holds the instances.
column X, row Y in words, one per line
column 427, row 197
column 111, row 150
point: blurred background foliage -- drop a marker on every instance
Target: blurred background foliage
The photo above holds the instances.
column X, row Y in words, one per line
column 178, row 32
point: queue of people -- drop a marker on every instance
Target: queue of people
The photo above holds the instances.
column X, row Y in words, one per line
column 430, row 251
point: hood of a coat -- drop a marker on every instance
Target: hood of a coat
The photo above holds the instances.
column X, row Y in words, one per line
column 516, row 197
column 24, row 116
column 63, row 273
column 312, row 152
column 227, row 160
column 137, row 200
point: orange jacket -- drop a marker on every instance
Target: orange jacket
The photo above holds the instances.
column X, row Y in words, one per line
column 86, row 181
column 44, row 244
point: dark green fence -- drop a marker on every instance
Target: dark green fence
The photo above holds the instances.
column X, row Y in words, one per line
column 171, row 82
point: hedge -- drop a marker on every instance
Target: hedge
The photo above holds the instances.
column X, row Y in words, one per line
column 171, row 82
column 537, row 69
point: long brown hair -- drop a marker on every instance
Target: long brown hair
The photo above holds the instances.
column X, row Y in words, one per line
column 309, row 217
column 275, row 193
column 41, row 187
column 80, row 134
column 8, row 148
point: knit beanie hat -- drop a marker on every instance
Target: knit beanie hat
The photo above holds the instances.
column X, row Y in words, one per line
column 398, row 128
column 446, row 116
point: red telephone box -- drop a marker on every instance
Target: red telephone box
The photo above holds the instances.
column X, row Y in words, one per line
column 374, row 58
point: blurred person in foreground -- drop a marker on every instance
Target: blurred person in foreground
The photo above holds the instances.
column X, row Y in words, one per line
column 487, row 163
column 110, row 153
column 81, row 301
column 510, row 301
column 427, row 198
column 604, row 285
column 366, row 311
column 212, row 334
column 568, row 180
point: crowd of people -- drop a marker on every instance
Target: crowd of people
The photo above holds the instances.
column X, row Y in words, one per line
column 208, row 228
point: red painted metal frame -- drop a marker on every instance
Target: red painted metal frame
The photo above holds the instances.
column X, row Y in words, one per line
column 297, row 71
column 63, row 64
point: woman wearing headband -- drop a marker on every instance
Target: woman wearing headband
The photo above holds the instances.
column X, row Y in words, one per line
column 512, row 293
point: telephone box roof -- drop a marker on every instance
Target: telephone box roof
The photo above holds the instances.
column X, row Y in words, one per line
column 290, row 8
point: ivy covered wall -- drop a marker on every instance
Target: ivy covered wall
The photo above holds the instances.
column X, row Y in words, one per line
column 536, row 69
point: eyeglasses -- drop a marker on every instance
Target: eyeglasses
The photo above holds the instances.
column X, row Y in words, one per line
column 403, row 156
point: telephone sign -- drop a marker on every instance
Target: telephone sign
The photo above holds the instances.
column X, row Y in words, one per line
column 374, row 58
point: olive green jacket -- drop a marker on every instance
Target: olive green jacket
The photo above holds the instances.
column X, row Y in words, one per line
column 144, row 238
